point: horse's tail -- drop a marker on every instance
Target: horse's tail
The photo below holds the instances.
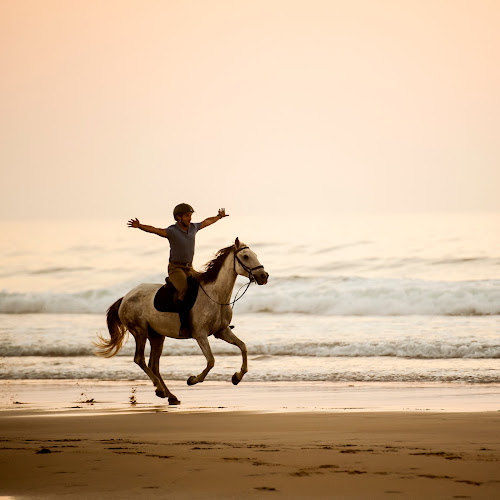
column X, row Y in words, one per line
column 117, row 330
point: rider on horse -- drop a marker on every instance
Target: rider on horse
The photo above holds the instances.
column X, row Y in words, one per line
column 181, row 237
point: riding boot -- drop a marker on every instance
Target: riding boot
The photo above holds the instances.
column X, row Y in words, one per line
column 184, row 330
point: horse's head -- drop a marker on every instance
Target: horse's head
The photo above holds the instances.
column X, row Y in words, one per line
column 247, row 264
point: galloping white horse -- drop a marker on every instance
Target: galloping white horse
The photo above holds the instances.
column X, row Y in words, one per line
column 210, row 315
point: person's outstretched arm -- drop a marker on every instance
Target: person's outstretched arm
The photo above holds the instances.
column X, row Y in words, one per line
column 148, row 229
column 211, row 220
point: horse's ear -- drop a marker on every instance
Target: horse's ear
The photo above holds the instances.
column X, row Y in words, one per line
column 237, row 243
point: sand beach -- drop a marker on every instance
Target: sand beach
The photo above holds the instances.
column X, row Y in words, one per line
column 71, row 442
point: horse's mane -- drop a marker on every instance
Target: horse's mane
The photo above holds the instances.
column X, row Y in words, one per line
column 212, row 268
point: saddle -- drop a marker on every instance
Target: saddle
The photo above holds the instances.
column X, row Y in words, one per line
column 165, row 298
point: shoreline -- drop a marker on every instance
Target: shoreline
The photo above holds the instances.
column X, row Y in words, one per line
column 84, row 396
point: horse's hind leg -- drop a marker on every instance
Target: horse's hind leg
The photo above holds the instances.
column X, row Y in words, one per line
column 139, row 358
column 228, row 336
column 156, row 340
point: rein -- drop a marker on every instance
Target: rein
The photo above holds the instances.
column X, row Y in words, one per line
column 250, row 278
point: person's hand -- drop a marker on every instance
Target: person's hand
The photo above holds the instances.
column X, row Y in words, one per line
column 134, row 223
column 222, row 212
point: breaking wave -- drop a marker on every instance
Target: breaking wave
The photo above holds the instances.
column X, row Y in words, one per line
column 403, row 348
column 313, row 296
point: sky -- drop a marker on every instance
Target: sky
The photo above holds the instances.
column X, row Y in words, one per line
column 120, row 108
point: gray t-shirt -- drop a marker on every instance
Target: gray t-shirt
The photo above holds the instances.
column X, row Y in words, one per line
column 182, row 242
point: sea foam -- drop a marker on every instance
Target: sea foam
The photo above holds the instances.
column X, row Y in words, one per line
column 311, row 296
column 405, row 347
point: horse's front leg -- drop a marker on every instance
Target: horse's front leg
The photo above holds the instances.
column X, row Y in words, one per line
column 230, row 337
column 207, row 351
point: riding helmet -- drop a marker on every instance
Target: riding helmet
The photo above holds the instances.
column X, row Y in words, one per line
column 182, row 209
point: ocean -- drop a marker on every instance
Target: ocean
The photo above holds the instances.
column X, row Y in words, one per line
column 351, row 298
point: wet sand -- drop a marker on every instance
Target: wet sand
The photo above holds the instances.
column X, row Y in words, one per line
column 80, row 396
column 110, row 450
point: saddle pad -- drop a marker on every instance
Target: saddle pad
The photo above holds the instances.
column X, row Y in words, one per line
column 164, row 298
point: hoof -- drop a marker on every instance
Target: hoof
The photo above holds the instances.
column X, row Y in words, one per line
column 173, row 401
column 235, row 380
column 191, row 380
column 161, row 394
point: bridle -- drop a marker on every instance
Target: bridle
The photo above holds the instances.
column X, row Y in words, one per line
column 251, row 278
column 249, row 270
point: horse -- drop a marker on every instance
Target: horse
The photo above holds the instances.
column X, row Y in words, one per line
column 210, row 315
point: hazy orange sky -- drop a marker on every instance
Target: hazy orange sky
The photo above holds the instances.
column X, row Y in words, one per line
column 126, row 108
